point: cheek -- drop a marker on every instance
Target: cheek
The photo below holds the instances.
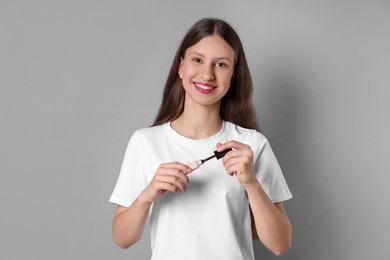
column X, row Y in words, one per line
column 186, row 72
column 227, row 78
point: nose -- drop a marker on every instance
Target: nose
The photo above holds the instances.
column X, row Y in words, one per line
column 207, row 72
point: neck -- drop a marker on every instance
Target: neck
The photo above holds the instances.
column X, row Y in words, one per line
column 198, row 123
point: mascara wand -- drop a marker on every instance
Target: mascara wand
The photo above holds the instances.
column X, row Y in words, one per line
column 195, row 164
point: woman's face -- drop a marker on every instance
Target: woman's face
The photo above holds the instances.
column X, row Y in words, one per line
column 206, row 71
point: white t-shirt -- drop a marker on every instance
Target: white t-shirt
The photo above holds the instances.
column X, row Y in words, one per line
column 211, row 220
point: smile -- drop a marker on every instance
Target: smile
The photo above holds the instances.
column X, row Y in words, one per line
column 204, row 87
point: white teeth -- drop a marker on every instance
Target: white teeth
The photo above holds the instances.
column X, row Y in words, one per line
column 204, row 87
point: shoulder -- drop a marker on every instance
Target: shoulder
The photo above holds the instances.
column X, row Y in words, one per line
column 245, row 133
column 150, row 131
column 148, row 134
column 251, row 137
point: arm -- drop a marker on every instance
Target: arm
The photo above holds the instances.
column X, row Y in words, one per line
column 271, row 221
column 272, row 224
column 129, row 223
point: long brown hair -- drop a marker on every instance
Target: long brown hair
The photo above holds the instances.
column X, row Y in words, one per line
column 236, row 105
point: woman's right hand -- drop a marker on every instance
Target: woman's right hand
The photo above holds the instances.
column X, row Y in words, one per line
column 168, row 177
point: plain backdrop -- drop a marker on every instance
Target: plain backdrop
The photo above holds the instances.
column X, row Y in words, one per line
column 78, row 77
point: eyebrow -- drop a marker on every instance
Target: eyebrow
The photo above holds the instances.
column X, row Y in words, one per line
column 218, row 58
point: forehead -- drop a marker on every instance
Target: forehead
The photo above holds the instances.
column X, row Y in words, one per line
column 212, row 46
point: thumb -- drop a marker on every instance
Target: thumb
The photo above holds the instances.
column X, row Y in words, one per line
column 218, row 146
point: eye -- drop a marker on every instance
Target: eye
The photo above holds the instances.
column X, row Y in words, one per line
column 197, row 60
column 221, row 65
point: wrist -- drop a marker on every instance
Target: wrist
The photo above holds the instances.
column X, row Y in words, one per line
column 144, row 200
column 253, row 186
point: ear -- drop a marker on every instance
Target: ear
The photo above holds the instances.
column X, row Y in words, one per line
column 180, row 72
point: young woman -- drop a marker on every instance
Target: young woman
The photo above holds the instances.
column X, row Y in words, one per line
column 203, row 213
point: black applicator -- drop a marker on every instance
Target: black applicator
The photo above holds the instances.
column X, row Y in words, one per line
column 195, row 164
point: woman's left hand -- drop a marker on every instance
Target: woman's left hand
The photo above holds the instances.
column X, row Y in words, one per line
column 239, row 162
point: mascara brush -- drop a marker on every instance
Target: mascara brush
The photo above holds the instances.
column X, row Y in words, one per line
column 195, row 164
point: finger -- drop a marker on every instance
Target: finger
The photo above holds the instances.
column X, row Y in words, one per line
column 179, row 184
column 164, row 186
column 242, row 160
column 183, row 178
column 234, row 169
column 248, row 154
column 176, row 165
column 176, row 173
column 172, row 180
column 232, row 165
column 232, row 144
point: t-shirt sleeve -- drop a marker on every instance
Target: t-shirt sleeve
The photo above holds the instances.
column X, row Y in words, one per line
column 269, row 174
column 131, row 181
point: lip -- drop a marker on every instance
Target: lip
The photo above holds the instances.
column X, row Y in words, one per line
column 204, row 88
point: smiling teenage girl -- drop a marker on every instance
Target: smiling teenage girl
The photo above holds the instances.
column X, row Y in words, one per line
column 206, row 213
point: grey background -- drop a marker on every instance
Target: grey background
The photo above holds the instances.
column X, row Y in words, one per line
column 78, row 77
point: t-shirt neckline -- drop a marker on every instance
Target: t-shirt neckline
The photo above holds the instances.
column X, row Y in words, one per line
column 180, row 138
